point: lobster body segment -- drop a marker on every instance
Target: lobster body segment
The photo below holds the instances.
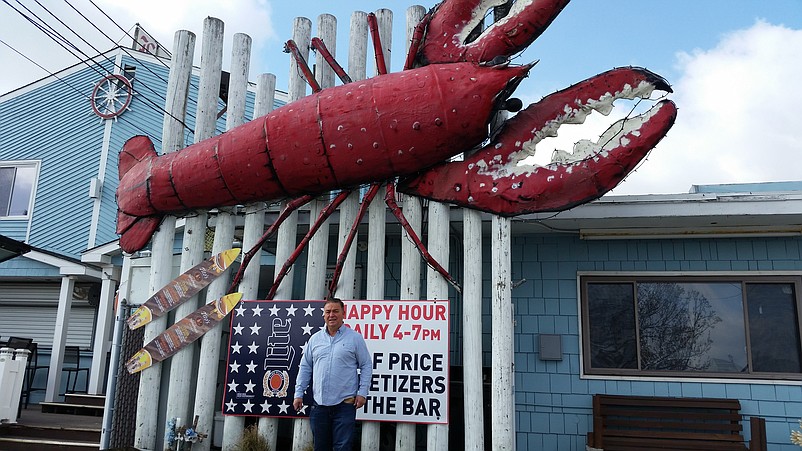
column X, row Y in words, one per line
column 370, row 131
column 383, row 127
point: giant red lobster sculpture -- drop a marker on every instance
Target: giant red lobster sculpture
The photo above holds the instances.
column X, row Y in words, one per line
column 406, row 126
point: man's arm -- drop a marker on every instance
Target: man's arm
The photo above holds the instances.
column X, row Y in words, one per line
column 304, row 377
column 364, row 362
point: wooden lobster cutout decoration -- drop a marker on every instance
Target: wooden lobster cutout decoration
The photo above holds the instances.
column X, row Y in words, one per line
column 405, row 127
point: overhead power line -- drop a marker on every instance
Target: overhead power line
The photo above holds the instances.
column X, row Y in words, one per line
column 53, row 34
column 119, row 27
column 127, row 52
column 68, row 84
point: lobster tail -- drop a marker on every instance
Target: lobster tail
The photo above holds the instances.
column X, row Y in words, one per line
column 138, row 232
column 135, row 150
column 134, row 166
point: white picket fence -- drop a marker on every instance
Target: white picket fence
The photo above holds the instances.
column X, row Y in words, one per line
column 186, row 373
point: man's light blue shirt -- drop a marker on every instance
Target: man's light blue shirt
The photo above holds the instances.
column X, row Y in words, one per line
column 331, row 363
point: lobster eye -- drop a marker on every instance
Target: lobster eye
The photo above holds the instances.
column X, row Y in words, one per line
column 512, row 105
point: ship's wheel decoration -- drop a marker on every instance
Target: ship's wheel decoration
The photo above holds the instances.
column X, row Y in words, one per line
column 112, row 96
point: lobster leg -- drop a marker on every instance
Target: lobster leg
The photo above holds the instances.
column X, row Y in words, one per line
column 292, row 48
column 246, row 258
column 389, row 199
column 320, row 46
column 324, row 214
column 373, row 25
column 417, row 41
column 363, row 208
column 497, row 179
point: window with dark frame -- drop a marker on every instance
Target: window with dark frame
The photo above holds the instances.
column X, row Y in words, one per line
column 16, row 188
column 692, row 326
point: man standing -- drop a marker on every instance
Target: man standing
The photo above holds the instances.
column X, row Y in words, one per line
column 331, row 359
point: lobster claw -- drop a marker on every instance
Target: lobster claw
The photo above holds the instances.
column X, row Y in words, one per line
column 495, row 179
column 452, row 22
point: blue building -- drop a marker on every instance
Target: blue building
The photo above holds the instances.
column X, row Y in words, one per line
column 61, row 136
column 689, row 295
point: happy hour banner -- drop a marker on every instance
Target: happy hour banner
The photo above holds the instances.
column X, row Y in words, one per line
column 407, row 339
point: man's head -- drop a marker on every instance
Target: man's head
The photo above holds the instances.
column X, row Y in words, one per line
column 333, row 314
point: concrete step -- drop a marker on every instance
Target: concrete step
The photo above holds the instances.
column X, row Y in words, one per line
column 30, row 444
column 17, row 436
column 72, row 409
column 85, row 399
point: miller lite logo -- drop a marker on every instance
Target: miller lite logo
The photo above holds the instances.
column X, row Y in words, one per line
column 276, row 383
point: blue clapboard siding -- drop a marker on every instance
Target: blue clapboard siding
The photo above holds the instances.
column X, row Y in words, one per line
column 24, row 268
column 145, row 117
column 53, row 122
column 14, row 228
column 553, row 404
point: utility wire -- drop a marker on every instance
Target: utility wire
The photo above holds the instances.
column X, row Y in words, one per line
column 65, row 43
column 51, row 33
column 127, row 52
column 65, row 26
column 62, row 41
column 80, row 93
column 157, row 107
column 121, row 28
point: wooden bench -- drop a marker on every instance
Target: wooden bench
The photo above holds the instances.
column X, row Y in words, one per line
column 623, row 423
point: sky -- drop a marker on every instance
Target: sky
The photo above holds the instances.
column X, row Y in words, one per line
column 731, row 63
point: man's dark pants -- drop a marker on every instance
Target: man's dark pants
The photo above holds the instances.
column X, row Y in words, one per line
column 333, row 426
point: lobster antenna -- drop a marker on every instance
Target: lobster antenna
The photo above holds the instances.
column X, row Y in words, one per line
column 417, row 38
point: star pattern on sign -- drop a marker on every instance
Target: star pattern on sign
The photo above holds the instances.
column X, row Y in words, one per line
column 282, row 408
column 232, row 386
column 243, row 385
column 252, row 348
